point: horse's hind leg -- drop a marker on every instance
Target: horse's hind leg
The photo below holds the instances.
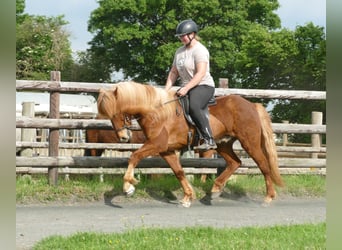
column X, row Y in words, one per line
column 205, row 154
column 260, row 159
column 225, row 149
column 173, row 160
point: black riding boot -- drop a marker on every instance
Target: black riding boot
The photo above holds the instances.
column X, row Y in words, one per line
column 208, row 140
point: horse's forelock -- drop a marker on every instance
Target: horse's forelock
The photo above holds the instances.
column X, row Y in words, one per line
column 106, row 104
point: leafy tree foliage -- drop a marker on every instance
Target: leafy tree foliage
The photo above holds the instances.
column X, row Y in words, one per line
column 42, row 45
column 87, row 67
column 20, row 7
column 306, row 71
column 138, row 36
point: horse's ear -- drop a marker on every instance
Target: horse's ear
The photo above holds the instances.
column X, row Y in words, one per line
column 100, row 94
column 102, row 91
column 115, row 91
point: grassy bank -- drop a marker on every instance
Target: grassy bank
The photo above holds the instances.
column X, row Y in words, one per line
column 35, row 189
column 308, row 236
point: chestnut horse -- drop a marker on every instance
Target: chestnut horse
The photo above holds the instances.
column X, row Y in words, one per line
column 166, row 129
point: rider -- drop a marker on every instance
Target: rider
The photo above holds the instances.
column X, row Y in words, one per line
column 191, row 65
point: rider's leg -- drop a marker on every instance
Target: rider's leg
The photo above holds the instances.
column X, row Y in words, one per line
column 199, row 98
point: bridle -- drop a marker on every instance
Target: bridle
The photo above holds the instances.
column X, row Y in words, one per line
column 127, row 123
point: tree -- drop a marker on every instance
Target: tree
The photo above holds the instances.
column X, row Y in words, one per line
column 285, row 59
column 138, row 36
column 42, row 45
column 264, row 59
column 87, row 67
column 20, row 7
column 305, row 70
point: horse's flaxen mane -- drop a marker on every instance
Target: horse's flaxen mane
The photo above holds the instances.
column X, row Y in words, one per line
column 142, row 97
column 105, row 104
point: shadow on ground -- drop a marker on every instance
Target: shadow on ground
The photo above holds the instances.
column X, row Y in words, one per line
column 114, row 198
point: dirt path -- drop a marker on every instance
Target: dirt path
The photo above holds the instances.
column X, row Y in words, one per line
column 35, row 222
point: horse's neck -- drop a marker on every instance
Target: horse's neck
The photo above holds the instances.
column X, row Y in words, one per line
column 134, row 110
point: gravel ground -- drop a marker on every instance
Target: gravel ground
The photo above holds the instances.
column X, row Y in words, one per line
column 37, row 221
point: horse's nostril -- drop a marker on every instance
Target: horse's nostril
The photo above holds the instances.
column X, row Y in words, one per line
column 124, row 139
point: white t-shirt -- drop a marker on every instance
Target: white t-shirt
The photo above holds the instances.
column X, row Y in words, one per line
column 186, row 59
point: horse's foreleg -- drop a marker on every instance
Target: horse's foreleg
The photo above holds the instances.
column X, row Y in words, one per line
column 129, row 181
column 173, row 160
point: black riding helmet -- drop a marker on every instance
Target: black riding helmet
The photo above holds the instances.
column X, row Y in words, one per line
column 186, row 27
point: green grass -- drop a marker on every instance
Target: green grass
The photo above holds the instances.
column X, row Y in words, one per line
column 31, row 189
column 292, row 237
column 35, row 189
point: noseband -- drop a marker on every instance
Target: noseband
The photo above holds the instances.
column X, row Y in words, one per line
column 127, row 124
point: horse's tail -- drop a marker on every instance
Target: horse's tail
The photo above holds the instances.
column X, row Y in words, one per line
column 268, row 144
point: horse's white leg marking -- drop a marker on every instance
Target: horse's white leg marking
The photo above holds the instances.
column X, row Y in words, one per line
column 129, row 181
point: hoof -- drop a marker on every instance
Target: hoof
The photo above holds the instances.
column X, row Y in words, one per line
column 267, row 202
column 215, row 195
column 185, row 204
column 130, row 191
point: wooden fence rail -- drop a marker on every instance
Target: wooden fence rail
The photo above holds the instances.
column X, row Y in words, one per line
column 120, row 162
column 116, row 165
column 134, row 146
column 78, row 87
column 25, row 122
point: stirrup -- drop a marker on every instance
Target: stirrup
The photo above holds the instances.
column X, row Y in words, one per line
column 206, row 146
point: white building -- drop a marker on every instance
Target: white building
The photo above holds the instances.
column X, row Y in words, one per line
column 71, row 106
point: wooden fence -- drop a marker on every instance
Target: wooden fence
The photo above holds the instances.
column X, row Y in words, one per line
column 54, row 163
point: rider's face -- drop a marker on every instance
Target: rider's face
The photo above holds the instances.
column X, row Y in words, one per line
column 185, row 39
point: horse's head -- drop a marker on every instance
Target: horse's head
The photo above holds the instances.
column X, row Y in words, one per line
column 121, row 124
column 107, row 108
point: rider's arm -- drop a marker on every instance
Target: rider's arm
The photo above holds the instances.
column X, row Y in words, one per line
column 172, row 77
column 200, row 73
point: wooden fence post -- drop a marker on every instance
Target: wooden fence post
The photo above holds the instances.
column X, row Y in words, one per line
column 28, row 134
column 316, row 118
column 285, row 139
column 54, row 133
column 223, row 83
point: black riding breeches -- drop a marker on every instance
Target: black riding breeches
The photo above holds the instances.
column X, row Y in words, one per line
column 199, row 97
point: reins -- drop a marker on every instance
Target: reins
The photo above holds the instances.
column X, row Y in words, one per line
column 173, row 100
column 129, row 127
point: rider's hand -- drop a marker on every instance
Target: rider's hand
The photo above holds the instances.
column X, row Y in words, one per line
column 182, row 91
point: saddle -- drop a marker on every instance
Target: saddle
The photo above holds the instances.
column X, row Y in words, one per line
column 184, row 102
